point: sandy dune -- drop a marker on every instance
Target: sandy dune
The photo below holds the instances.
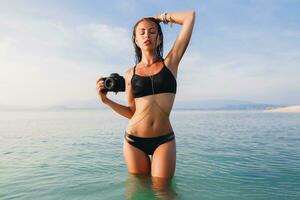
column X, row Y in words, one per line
column 284, row 109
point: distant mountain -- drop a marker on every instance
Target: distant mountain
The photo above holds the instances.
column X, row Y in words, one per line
column 91, row 104
column 222, row 105
column 94, row 104
column 17, row 108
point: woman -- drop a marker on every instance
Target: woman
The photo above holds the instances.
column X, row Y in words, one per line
column 150, row 89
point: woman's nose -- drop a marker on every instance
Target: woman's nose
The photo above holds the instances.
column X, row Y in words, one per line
column 147, row 34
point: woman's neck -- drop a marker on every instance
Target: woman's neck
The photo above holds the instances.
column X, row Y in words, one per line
column 149, row 58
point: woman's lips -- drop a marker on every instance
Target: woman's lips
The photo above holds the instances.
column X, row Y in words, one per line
column 147, row 42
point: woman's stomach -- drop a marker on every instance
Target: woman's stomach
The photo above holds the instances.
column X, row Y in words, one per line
column 149, row 123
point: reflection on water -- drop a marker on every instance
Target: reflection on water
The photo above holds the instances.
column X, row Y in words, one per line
column 145, row 187
column 220, row 155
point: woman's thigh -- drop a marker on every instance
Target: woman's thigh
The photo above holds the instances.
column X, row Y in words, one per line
column 164, row 160
column 137, row 161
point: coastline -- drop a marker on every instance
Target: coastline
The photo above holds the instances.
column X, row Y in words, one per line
column 293, row 109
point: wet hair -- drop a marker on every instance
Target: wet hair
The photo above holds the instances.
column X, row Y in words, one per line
column 159, row 48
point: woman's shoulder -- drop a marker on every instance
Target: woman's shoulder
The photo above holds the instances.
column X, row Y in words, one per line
column 129, row 72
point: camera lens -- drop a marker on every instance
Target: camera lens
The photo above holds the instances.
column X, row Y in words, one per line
column 109, row 83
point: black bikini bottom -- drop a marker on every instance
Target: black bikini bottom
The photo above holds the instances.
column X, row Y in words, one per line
column 148, row 145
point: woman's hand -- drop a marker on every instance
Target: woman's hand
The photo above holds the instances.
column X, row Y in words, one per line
column 122, row 110
column 101, row 90
column 159, row 18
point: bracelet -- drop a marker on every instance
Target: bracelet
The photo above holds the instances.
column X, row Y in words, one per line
column 163, row 17
column 171, row 22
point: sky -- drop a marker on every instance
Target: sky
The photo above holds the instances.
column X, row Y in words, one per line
column 52, row 52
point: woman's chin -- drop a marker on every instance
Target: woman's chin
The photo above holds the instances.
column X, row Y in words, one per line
column 148, row 48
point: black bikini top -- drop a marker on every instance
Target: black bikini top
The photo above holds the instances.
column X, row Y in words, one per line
column 162, row 82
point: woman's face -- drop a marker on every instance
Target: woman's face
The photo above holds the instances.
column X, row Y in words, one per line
column 146, row 35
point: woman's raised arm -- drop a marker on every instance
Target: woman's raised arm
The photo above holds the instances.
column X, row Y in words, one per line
column 187, row 20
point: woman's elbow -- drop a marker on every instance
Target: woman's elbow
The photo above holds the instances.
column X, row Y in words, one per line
column 129, row 116
column 193, row 14
column 130, row 113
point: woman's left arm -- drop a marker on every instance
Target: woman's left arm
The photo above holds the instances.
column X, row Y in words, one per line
column 187, row 20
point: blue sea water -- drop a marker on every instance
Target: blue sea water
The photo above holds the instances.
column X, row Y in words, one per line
column 220, row 155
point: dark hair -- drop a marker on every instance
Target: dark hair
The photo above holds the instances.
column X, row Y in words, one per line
column 159, row 48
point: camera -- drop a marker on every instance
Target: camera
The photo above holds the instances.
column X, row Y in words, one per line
column 114, row 83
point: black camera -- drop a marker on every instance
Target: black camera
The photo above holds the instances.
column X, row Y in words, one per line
column 114, row 83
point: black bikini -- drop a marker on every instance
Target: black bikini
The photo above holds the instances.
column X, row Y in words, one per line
column 162, row 82
column 148, row 145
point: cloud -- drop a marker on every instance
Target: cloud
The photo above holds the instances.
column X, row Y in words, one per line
column 291, row 33
column 238, row 50
column 46, row 61
column 105, row 41
column 241, row 76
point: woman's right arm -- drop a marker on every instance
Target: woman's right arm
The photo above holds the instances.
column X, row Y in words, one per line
column 126, row 111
